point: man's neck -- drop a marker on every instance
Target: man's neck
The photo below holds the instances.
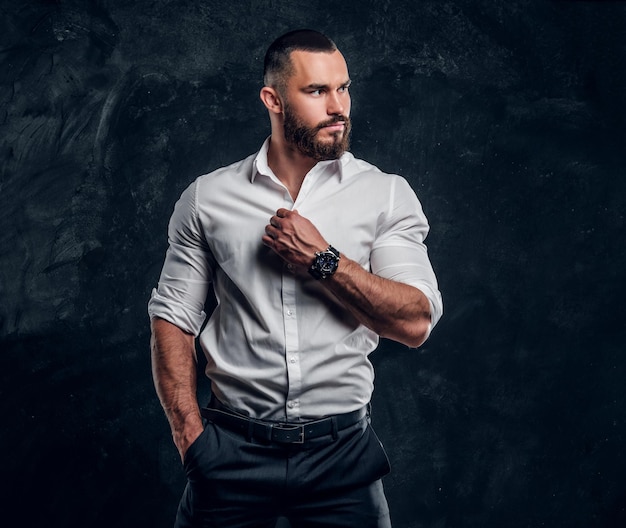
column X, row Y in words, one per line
column 288, row 164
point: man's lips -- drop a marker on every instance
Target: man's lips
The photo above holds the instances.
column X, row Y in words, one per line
column 334, row 127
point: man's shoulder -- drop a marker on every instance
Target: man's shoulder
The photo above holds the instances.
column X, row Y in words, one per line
column 353, row 166
column 239, row 168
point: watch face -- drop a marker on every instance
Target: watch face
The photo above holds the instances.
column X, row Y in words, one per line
column 327, row 262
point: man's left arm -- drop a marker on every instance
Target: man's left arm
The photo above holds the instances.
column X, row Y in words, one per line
column 390, row 308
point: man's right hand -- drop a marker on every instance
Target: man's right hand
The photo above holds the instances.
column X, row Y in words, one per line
column 186, row 437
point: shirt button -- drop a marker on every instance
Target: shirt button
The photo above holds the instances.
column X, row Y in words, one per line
column 292, row 359
column 289, row 313
column 290, row 267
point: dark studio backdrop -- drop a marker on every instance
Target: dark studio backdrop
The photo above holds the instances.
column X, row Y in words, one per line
column 508, row 120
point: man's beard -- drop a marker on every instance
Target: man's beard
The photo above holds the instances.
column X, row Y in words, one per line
column 305, row 139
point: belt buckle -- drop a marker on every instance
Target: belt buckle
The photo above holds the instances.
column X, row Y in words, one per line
column 289, row 428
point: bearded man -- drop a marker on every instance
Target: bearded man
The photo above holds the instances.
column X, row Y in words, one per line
column 287, row 431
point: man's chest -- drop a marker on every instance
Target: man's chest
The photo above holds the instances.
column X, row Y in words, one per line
column 234, row 222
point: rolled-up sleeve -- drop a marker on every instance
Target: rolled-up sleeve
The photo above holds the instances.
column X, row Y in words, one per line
column 187, row 272
column 399, row 252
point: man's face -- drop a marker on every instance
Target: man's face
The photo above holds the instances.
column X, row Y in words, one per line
column 317, row 105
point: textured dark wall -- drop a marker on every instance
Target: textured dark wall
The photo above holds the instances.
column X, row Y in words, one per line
column 508, row 120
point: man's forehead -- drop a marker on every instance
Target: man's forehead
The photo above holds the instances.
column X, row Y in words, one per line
column 317, row 66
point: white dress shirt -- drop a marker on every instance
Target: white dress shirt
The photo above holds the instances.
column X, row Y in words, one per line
column 280, row 346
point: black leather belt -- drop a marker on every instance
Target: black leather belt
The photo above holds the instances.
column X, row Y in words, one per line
column 281, row 433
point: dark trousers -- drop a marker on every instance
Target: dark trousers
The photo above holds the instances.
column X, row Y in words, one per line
column 331, row 481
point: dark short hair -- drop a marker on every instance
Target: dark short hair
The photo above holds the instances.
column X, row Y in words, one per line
column 277, row 66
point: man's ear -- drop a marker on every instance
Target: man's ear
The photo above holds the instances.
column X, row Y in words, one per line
column 271, row 99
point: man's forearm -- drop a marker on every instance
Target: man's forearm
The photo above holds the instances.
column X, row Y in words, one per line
column 391, row 309
column 174, row 373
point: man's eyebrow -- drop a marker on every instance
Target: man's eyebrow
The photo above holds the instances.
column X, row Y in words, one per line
column 316, row 86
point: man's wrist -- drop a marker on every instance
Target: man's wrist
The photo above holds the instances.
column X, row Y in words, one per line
column 183, row 439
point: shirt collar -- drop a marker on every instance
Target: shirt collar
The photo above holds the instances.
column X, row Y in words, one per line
column 335, row 167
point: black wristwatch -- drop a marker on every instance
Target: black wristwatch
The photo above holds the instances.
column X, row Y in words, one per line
column 325, row 263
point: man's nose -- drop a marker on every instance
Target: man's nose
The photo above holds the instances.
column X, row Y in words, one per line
column 336, row 104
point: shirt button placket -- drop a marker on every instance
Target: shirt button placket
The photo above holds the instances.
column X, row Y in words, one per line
column 294, row 374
